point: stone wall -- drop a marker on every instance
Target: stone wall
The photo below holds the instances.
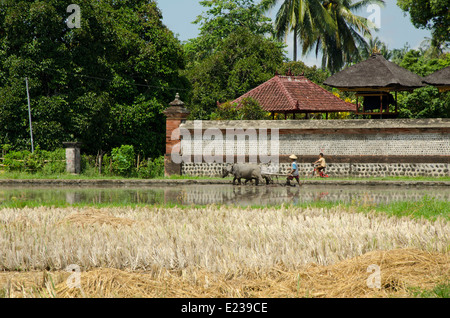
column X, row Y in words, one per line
column 337, row 169
column 359, row 148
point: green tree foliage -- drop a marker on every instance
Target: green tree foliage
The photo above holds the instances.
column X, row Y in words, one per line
column 343, row 46
column 222, row 19
column 248, row 110
column 426, row 102
column 105, row 83
column 122, row 159
column 44, row 161
column 330, row 27
column 151, row 168
column 433, row 15
column 240, row 62
column 301, row 17
column 397, row 55
column 314, row 74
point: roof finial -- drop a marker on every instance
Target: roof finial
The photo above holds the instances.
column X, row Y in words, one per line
column 376, row 50
column 289, row 72
column 177, row 101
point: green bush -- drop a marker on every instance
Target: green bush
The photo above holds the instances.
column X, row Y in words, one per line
column 249, row 109
column 15, row 160
column 48, row 162
column 55, row 161
column 151, row 168
column 122, row 160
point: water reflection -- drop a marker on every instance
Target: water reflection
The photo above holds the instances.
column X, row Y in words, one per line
column 223, row 194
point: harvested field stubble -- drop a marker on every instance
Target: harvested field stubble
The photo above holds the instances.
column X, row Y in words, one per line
column 220, row 252
column 215, row 239
column 400, row 270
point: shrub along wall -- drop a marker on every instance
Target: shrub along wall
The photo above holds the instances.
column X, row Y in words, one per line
column 121, row 162
column 47, row 162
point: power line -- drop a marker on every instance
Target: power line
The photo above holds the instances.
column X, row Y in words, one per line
column 111, row 80
column 29, row 115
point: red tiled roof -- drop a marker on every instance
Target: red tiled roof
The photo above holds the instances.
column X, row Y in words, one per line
column 296, row 93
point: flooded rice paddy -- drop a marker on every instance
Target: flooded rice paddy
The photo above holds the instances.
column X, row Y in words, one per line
column 221, row 194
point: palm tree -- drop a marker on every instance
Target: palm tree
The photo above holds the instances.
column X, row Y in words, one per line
column 301, row 17
column 326, row 26
column 430, row 49
column 343, row 46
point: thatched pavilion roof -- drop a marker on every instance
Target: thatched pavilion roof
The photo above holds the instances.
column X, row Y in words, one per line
column 440, row 79
column 375, row 73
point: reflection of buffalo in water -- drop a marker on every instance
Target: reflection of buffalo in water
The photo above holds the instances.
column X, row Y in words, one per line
column 249, row 195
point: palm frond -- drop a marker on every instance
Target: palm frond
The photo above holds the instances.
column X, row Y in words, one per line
column 364, row 3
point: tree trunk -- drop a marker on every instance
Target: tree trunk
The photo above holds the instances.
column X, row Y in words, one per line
column 295, row 45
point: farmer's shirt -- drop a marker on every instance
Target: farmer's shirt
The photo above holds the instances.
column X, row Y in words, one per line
column 295, row 168
column 322, row 162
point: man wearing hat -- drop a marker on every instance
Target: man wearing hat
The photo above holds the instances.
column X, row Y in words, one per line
column 294, row 171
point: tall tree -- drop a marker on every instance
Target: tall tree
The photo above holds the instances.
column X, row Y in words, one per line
column 222, row 19
column 430, row 50
column 432, row 15
column 332, row 28
column 425, row 102
column 352, row 30
column 105, row 83
column 241, row 62
column 234, row 52
column 300, row 17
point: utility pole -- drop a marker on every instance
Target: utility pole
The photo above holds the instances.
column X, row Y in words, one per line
column 29, row 115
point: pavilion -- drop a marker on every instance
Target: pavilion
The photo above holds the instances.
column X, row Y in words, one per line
column 440, row 79
column 375, row 79
column 291, row 94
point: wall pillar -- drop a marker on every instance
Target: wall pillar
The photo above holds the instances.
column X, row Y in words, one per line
column 73, row 157
column 176, row 114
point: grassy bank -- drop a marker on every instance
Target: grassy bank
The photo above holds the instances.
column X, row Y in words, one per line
column 5, row 175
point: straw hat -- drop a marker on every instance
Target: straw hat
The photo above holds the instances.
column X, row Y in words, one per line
column 293, row 157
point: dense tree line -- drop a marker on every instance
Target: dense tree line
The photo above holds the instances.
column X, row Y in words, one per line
column 104, row 84
column 107, row 82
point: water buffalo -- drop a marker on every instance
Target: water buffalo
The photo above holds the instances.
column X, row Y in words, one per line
column 243, row 171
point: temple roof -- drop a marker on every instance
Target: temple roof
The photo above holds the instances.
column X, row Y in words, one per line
column 296, row 94
column 375, row 73
column 439, row 78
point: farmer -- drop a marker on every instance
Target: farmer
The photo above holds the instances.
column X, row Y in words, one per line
column 321, row 163
column 294, row 171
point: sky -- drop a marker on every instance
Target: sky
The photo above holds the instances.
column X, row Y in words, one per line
column 395, row 29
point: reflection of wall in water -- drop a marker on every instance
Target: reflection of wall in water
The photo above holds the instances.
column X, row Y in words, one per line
column 242, row 195
column 73, row 197
column 252, row 195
